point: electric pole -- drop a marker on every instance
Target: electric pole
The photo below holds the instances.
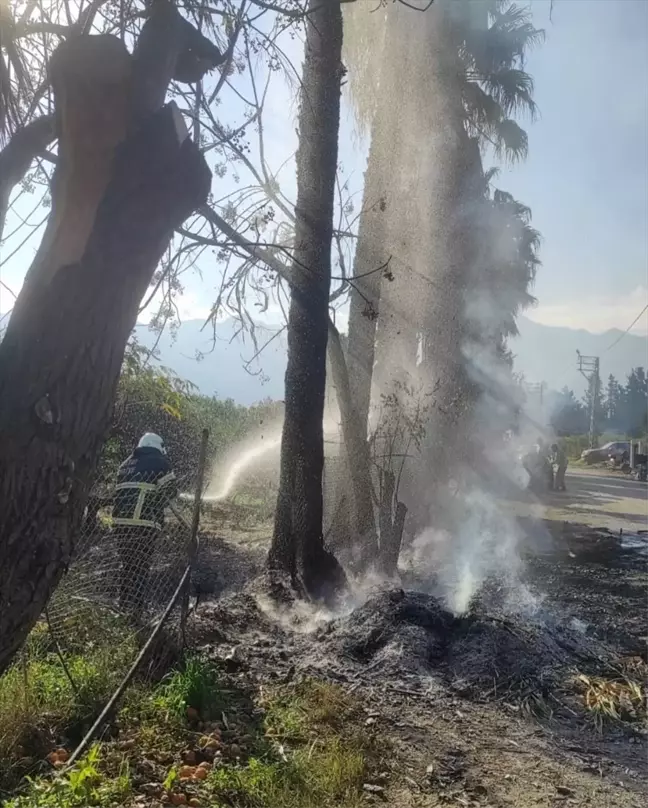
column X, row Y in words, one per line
column 588, row 366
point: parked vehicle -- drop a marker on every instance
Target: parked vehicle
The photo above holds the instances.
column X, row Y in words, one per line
column 640, row 471
column 615, row 451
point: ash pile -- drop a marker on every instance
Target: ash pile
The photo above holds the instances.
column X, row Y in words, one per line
column 407, row 640
column 410, row 636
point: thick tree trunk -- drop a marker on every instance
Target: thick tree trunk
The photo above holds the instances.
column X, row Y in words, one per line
column 374, row 253
column 61, row 355
column 357, row 453
column 298, row 546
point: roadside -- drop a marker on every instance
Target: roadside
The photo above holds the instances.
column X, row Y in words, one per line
column 596, row 497
column 390, row 701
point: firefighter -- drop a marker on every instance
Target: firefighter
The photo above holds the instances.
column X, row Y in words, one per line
column 543, row 467
column 145, row 483
column 558, row 458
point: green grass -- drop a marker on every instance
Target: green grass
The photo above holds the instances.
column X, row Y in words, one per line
column 325, row 773
column 300, row 745
column 317, row 753
column 40, row 709
column 84, row 785
column 195, row 685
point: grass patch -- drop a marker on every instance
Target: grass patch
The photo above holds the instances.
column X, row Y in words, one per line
column 316, row 753
column 39, row 706
column 197, row 738
column 193, row 690
column 326, row 773
column 84, row 785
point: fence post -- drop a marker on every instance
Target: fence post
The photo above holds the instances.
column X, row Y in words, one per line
column 193, row 538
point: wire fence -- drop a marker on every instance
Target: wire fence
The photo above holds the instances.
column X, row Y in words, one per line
column 124, row 570
column 123, row 601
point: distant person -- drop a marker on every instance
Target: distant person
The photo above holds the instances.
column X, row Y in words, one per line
column 145, row 484
column 558, row 458
column 543, row 464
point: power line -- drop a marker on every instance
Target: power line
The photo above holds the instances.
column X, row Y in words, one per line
column 621, row 336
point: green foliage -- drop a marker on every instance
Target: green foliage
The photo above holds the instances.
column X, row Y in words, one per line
column 151, row 398
column 195, row 685
column 83, row 785
column 620, row 410
column 569, row 415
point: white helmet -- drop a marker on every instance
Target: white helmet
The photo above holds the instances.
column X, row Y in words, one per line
column 151, row 441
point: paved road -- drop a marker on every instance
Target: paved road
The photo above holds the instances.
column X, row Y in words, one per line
column 593, row 497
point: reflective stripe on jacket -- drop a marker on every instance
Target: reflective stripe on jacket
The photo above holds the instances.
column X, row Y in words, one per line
column 145, row 483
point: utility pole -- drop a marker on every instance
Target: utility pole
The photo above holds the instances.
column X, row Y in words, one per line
column 588, row 366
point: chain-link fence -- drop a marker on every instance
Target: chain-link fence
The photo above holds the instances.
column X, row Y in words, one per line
column 120, row 608
column 133, row 549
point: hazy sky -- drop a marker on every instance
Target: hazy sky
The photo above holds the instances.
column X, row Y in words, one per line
column 586, row 177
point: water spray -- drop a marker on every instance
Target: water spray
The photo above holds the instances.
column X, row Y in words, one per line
column 243, row 462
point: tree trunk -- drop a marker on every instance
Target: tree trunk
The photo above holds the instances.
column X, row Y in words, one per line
column 298, row 546
column 61, row 355
column 357, row 453
column 373, row 250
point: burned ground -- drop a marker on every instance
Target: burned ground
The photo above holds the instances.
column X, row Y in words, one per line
column 485, row 709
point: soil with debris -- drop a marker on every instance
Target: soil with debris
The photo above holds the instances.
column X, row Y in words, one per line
column 486, row 709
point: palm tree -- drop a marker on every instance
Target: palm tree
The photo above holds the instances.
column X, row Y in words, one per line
column 472, row 55
column 443, row 87
column 500, row 283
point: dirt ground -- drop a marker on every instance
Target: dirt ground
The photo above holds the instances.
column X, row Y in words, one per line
column 484, row 710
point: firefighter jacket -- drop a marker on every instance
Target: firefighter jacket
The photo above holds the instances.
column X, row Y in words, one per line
column 145, row 483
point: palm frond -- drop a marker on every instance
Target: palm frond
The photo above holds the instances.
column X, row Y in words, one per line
column 510, row 140
column 504, row 43
column 512, row 90
column 482, row 110
column 490, row 174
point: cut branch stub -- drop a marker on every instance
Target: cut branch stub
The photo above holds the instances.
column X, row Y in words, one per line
column 90, row 78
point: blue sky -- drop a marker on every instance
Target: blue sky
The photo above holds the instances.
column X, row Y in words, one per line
column 586, row 177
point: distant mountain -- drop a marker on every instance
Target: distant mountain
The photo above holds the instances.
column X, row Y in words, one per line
column 542, row 353
column 220, row 371
column 548, row 353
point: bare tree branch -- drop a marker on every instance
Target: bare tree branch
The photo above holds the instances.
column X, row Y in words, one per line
column 18, row 155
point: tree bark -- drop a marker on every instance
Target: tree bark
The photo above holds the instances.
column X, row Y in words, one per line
column 392, row 521
column 298, row 547
column 62, row 352
column 373, row 247
column 357, row 452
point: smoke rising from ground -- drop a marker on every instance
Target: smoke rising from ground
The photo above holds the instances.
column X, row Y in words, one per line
column 457, row 286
